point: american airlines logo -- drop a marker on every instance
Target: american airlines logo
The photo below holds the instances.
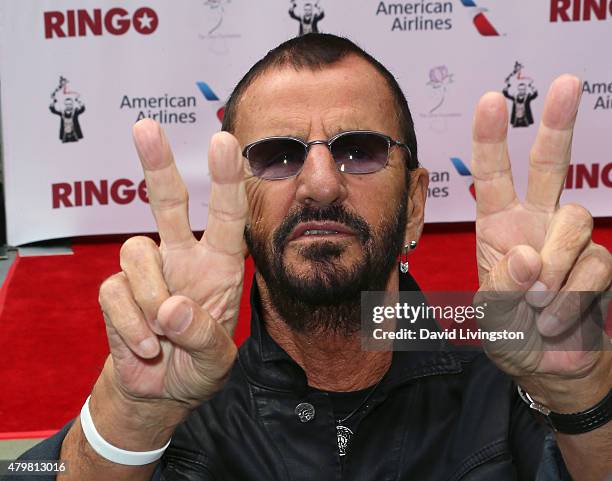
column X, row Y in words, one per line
column 465, row 174
column 211, row 96
column 480, row 19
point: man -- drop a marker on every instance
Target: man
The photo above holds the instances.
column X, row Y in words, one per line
column 309, row 21
column 325, row 220
column 70, row 128
column 521, row 105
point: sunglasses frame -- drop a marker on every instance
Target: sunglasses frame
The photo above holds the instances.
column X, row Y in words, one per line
column 390, row 143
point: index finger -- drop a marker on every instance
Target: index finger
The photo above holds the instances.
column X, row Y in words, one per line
column 228, row 207
column 491, row 169
column 167, row 193
column 551, row 152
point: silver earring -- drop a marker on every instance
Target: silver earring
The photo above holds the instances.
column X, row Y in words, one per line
column 404, row 256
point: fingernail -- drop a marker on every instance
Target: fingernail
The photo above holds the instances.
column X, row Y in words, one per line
column 565, row 98
column 539, row 295
column 548, row 325
column 183, row 314
column 518, row 269
column 148, row 348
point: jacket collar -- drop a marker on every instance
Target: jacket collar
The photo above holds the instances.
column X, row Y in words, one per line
column 268, row 365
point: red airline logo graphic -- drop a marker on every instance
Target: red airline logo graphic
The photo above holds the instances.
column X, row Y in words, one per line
column 481, row 21
column 116, row 21
column 465, row 174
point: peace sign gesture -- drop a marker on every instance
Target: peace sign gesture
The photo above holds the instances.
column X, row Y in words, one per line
column 535, row 251
column 171, row 312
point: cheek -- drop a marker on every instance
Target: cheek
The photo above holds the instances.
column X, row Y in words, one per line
column 269, row 203
column 375, row 199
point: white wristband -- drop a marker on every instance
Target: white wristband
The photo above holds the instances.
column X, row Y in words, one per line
column 110, row 452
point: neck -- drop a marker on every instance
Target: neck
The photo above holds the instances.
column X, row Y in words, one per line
column 331, row 361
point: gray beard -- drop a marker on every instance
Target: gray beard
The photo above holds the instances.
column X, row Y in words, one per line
column 328, row 301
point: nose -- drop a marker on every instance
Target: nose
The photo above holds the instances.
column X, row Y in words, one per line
column 320, row 182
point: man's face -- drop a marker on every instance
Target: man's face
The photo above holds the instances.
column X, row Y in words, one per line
column 68, row 104
column 522, row 89
column 307, row 11
column 367, row 211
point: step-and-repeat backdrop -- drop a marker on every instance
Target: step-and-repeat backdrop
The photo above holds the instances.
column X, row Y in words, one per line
column 75, row 76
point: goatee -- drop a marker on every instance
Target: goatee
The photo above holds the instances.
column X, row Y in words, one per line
column 328, row 299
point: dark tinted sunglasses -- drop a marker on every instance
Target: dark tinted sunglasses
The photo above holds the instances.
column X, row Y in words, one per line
column 355, row 152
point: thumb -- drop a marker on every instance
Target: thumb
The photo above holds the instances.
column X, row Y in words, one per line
column 190, row 327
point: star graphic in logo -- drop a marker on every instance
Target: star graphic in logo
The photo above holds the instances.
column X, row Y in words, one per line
column 145, row 21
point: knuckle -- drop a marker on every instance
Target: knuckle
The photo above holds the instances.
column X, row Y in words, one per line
column 150, row 303
column 132, row 247
column 230, row 354
column 578, row 215
column 600, row 262
column 111, row 287
column 178, row 199
column 209, row 337
column 573, row 232
column 151, row 297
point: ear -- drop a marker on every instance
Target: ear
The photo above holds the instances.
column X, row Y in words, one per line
column 417, row 195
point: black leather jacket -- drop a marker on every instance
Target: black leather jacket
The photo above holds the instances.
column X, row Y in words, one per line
column 444, row 416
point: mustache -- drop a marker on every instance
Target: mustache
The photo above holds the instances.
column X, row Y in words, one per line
column 333, row 213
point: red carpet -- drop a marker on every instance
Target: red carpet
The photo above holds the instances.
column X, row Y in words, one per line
column 52, row 336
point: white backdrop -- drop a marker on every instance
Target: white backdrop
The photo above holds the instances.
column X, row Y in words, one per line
column 125, row 60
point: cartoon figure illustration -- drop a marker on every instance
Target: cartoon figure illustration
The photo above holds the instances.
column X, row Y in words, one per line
column 521, row 98
column 309, row 20
column 70, row 128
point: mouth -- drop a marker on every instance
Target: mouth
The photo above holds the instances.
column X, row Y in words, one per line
column 319, row 231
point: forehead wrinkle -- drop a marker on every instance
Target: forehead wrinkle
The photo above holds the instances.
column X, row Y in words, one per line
column 308, row 103
column 343, row 120
column 291, row 125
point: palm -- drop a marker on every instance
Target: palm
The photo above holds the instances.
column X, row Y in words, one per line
column 499, row 232
column 208, row 271
column 212, row 279
column 504, row 222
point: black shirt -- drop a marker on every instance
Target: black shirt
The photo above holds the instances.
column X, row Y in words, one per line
column 437, row 415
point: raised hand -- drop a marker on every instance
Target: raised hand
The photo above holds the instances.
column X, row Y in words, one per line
column 534, row 251
column 171, row 312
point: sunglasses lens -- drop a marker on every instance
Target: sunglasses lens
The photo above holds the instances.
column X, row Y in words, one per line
column 360, row 152
column 276, row 158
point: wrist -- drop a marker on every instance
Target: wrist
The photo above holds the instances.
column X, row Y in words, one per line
column 129, row 423
column 571, row 394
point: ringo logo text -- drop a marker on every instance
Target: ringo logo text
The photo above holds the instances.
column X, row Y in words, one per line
column 116, row 21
